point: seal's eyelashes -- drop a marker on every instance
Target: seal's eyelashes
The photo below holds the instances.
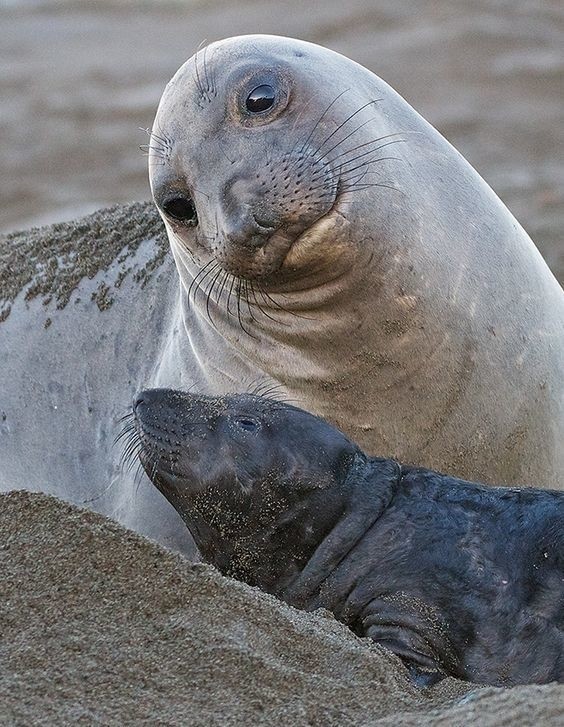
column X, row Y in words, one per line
column 205, row 80
column 158, row 148
column 181, row 208
column 260, row 99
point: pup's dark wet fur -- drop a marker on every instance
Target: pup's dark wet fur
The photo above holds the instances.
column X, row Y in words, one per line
column 454, row 577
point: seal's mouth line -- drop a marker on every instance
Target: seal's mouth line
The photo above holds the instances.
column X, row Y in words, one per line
column 277, row 239
column 331, row 213
column 334, row 209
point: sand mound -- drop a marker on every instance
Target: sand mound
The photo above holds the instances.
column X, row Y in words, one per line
column 102, row 626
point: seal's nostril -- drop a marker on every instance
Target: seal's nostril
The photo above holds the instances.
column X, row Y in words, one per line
column 246, row 231
column 137, row 402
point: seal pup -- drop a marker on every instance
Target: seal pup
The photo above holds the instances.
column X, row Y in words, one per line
column 421, row 293
column 454, row 577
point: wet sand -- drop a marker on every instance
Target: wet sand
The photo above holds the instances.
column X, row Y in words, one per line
column 78, row 79
column 100, row 626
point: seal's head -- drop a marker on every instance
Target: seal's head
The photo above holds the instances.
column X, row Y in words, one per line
column 257, row 144
column 250, row 476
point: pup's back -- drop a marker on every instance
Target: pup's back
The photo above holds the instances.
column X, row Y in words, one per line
column 489, row 561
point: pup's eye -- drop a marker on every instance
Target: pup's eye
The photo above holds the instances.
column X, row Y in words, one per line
column 260, row 99
column 249, row 425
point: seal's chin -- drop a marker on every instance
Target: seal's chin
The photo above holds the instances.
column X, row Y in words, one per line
column 175, row 486
column 158, row 466
column 257, row 263
column 286, row 253
column 179, row 480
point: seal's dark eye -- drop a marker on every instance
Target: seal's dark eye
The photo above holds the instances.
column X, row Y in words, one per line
column 260, row 99
column 249, row 425
column 181, row 208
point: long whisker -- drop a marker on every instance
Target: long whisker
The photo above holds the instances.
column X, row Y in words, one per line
column 366, row 164
column 246, row 290
column 124, row 433
column 348, row 136
column 197, row 281
column 197, row 73
column 340, row 126
column 209, row 291
column 349, row 175
column 98, row 496
column 367, row 143
column 319, row 120
column 208, row 86
column 267, row 297
column 222, row 286
column 162, row 138
column 155, row 148
column 364, row 186
column 239, row 313
column 261, row 309
column 233, row 281
column 371, row 151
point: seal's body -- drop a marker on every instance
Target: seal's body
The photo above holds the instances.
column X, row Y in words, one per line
column 454, row 577
column 325, row 238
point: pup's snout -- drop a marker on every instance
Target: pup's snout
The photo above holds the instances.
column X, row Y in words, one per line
column 150, row 398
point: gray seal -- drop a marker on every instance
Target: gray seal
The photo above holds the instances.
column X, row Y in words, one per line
column 454, row 577
column 329, row 238
column 324, row 238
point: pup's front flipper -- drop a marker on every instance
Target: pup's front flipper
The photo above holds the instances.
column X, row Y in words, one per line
column 423, row 678
column 415, row 632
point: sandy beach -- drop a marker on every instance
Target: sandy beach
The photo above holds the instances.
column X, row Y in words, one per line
column 100, row 626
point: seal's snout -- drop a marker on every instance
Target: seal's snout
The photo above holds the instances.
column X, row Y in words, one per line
column 148, row 398
column 148, row 403
column 155, row 419
column 242, row 229
column 159, row 431
column 167, row 418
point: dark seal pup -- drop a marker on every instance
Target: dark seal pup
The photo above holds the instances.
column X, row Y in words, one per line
column 454, row 577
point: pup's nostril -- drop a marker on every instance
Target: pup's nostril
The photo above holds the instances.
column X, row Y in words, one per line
column 139, row 400
column 181, row 208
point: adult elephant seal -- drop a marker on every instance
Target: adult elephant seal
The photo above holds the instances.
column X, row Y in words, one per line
column 327, row 237
column 328, row 240
column 454, row 577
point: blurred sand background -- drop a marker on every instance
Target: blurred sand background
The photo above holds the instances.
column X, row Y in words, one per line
column 79, row 78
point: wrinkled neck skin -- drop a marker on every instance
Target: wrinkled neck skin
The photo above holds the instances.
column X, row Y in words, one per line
column 320, row 324
column 306, row 313
column 369, row 487
column 292, row 555
column 391, row 324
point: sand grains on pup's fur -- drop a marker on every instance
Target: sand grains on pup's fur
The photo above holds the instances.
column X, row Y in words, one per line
column 101, row 625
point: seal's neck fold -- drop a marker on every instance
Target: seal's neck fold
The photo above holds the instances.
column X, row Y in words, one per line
column 370, row 484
